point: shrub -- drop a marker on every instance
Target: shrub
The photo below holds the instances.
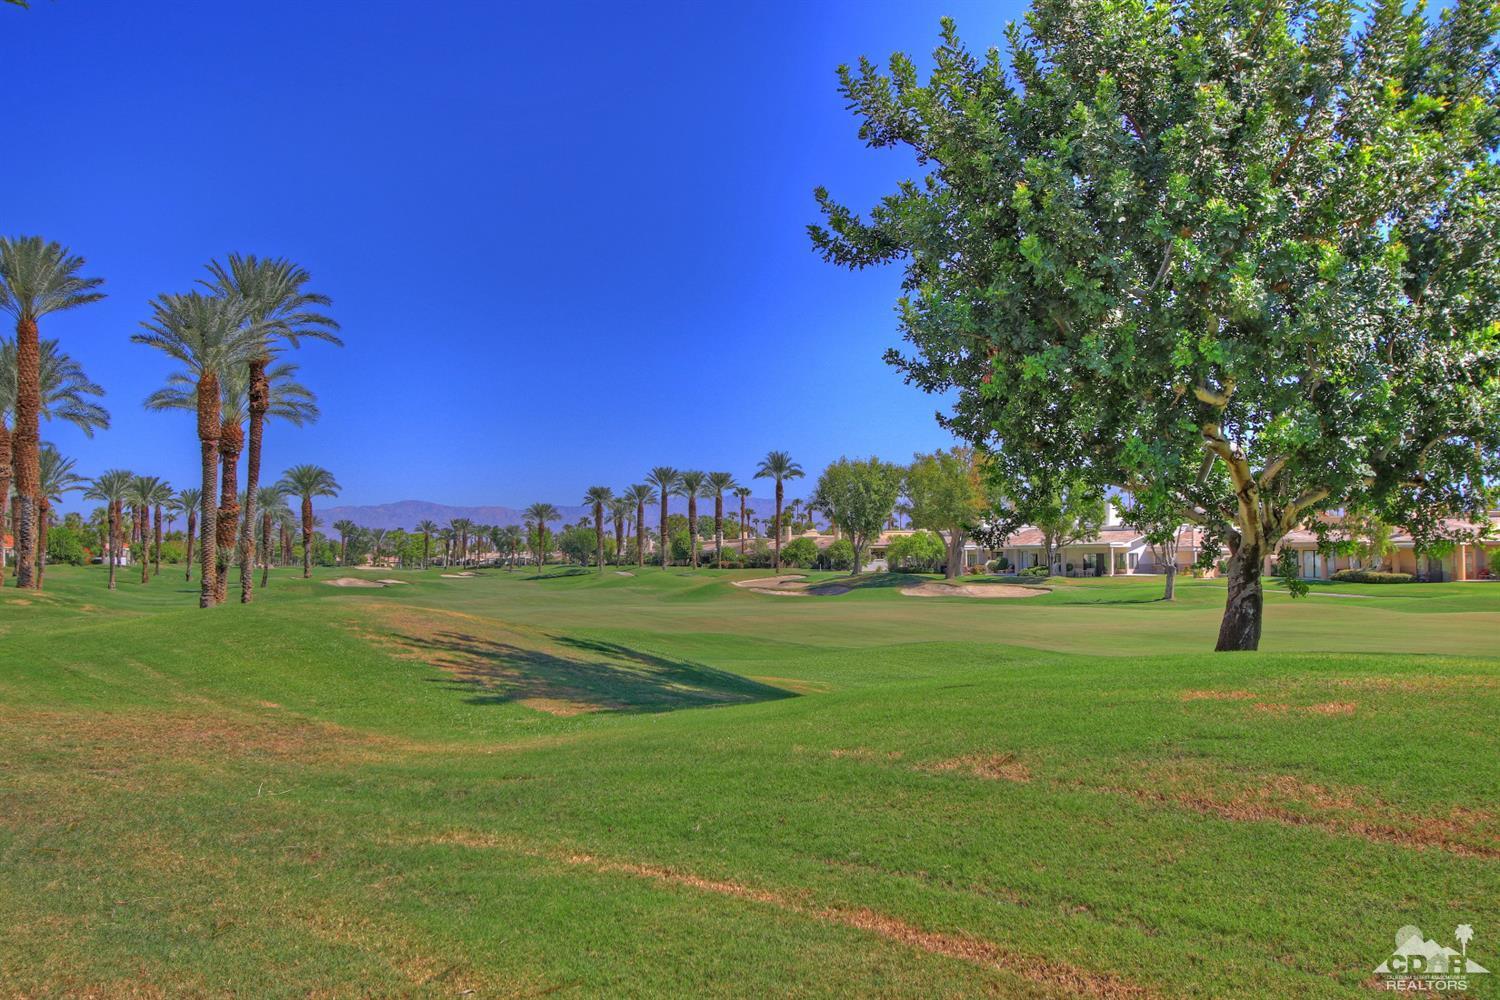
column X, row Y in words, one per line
column 64, row 546
column 1035, row 572
column 1369, row 576
column 839, row 555
column 799, row 552
column 1495, row 563
column 919, row 552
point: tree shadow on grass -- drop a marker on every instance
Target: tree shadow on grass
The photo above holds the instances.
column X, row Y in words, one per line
column 603, row 676
column 875, row 581
column 564, row 574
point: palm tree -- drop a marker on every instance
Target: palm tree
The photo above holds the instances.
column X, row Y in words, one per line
column 208, row 335
column 743, row 493
column 36, row 278
column 427, row 528
column 690, row 484
column 377, row 535
column 161, row 496
column 539, row 514
column 345, row 528
column 281, row 308
column 640, row 494
column 57, row 477
column 112, row 488
column 64, row 390
column 270, row 504
column 306, row 482
column 189, row 500
column 143, row 492
column 778, row 465
column 620, row 509
column 511, row 540
column 718, row 484
column 664, row 478
column 597, row 497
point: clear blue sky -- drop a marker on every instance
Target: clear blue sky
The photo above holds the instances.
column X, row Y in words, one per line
column 566, row 240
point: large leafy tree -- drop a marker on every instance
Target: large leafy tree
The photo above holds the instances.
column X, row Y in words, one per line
column 778, row 466
column 858, row 496
column 208, row 335
column 307, row 482
column 37, row 278
column 279, row 305
column 1245, row 252
column 945, row 493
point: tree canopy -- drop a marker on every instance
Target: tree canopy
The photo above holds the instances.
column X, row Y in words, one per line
column 1243, row 252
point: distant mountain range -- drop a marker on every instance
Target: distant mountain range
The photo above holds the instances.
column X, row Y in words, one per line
column 408, row 513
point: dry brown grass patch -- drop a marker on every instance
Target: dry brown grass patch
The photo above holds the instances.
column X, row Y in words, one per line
column 996, row 766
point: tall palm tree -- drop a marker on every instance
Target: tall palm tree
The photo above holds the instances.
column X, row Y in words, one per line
column 640, row 495
column 112, row 488
column 620, row 509
column 691, row 484
column 143, row 490
column 64, row 393
column 285, row 312
column 598, row 497
column 189, row 500
column 718, row 484
column 208, row 335
column 743, row 493
column 511, row 540
column 270, row 504
column 345, row 528
column 539, row 514
column 57, row 477
column 36, row 278
column 377, row 535
column 427, row 528
column 778, row 465
column 161, row 495
column 664, row 478
column 307, row 482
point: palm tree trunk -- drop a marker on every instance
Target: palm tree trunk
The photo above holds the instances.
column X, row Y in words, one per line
column 693, row 531
column 7, row 456
column 231, row 441
column 599, row 535
column 27, row 444
column 619, row 539
column 265, row 548
column 208, row 523
column 143, row 532
column 640, row 535
column 260, row 400
column 192, row 525
column 157, row 570
column 666, row 547
column 112, row 526
column 744, row 534
column 43, row 520
column 307, row 534
column 777, row 559
column 719, row 530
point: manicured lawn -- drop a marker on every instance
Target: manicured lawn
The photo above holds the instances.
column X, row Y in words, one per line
column 662, row 784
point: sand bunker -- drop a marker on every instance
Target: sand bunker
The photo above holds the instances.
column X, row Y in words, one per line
column 971, row 590
column 350, row 581
column 459, row 576
column 396, row 583
column 622, row 572
column 792, row 585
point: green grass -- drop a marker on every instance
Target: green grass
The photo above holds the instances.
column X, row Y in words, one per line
column 663, row 785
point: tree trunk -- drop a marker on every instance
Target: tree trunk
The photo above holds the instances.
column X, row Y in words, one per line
column 666, row 546
column 776, row 559
column 208, row 525
column 143, row 534
column 156, row 566
column 1170, row 594
column 26, row 444
column 43, row 521
column 693, row 531
column 955, row 554
column 599, row 535
column 307, row 535
column 265, row 548
column 192, row 525
column 744, row 535
column 1240, row 629
column 231, row 441
column 260, row 398
column 719, row 530
column 7, row 457
column 112, row 526
column 620, row 540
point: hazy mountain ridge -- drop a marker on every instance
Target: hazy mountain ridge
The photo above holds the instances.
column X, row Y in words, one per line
column 408, row 513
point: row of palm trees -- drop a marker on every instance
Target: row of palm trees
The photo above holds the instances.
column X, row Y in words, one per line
column 227, row 336
column 464, row 542
column 662, row 483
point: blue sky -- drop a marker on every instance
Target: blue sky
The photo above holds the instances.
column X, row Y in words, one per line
column 566, row 240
